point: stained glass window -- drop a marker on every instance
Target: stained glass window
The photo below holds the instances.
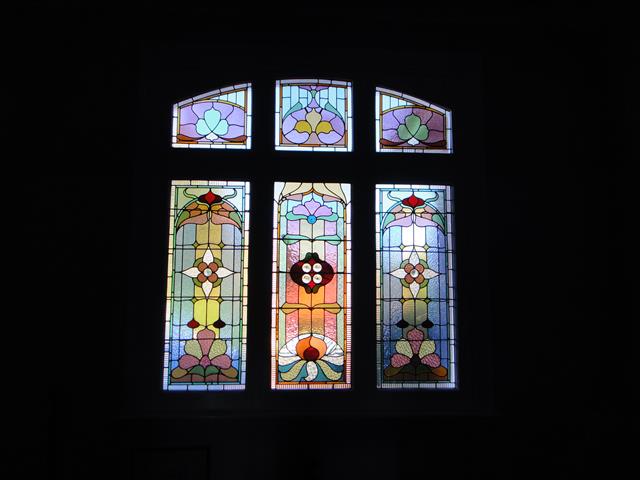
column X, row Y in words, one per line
column 313, row 115
column 408, row 124
column 217, row 119
column 311, row 318
column 206, row 317
column 415, row 286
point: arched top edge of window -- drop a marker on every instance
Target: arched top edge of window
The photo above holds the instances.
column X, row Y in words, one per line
column 407, row 124
column 218, row 118
column 313, row 81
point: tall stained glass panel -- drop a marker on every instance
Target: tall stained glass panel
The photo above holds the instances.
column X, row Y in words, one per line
column 415, row 286
column 311, row 319
column 408, row 124
column 313, row 115
column 206, row 317
column 217, row 119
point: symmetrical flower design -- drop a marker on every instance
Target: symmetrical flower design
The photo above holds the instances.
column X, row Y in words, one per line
column 209, row 207
column 413, row 273
column 313, row 123
column 415, row 358
column 313, row 211
column 413, row 127
column 207, row 272
column 311, row 273
column 413, row 210
column 310, row 358
column 205, row 360
column 212, row 122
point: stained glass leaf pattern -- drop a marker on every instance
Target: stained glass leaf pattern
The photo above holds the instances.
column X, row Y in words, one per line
column 313, row 115
column 408, row 124
column 216, row 119
column 311, row 316
column 415, row 286
column 205, row 332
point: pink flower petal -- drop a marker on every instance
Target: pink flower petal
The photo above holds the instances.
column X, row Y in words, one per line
column 432, row 360
column 301, row 210
column 401, row 222
column 398, row 360
column 188, row 361
column 312, row 206
column 222, row 361
column 415, row 337
column 323, row 211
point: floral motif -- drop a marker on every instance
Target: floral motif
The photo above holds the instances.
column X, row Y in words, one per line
column 311, row 273
column 205, row 360
column 413, row 127
column 313, row 211
column 412, row 130
column 207, row 272
column 310, row 357
column 415, row 359
column 212, row 126
column 209, row 207
column 212, row 122
column 414, row 211
column 313, row 123
column 413, row 272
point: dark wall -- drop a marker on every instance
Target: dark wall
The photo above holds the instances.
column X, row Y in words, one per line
column 534, row 177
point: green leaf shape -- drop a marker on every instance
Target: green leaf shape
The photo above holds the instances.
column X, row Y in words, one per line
column 413, row 129
column 295, row 108
column 332, row 239
column 235, row 216
column 183, row 216
column 197, row 370
column 332, row 109
column 289, row 239
column 294, row 216
column 211, row 370
column 422, row 134
column 412, row 123
column 440, row 221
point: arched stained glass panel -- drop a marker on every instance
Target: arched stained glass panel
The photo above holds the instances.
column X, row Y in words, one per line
column 217, row 119
column 415, row 286
column 206, row 332
column 408, row 124
column 311, row 319
column 313, row 115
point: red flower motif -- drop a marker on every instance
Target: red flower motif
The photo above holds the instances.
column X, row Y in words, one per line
column 413, row 201
column 210, row 198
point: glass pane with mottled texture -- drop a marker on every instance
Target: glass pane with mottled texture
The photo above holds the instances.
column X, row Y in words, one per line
column 415, row 288
column 206, row 316
column 217, row 119
column 408, row 124
column 311, row 316
column 313, row 115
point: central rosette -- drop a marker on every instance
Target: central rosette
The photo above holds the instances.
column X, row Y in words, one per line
column 311, row 273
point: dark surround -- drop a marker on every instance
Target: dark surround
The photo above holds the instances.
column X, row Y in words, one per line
column 525, row 156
